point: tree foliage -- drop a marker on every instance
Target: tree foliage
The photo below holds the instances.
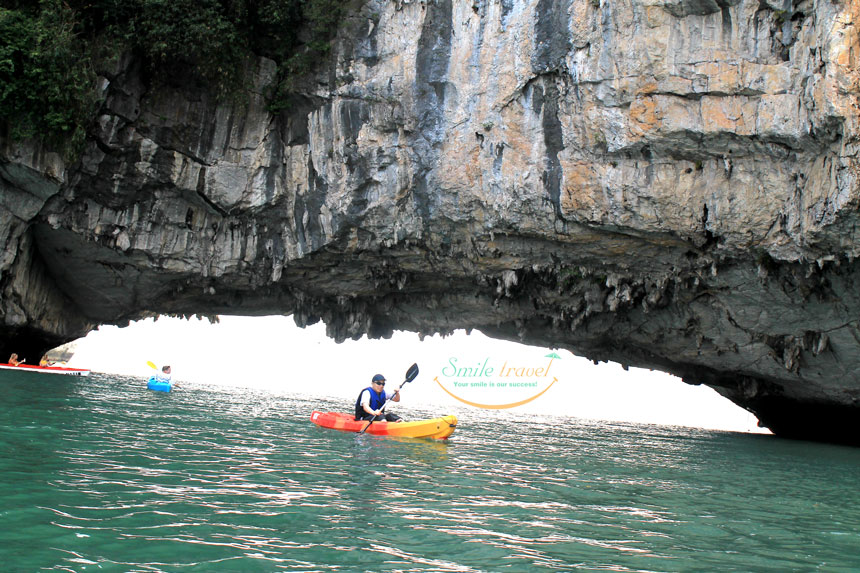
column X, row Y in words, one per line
column 50, row 50
column 47, row 83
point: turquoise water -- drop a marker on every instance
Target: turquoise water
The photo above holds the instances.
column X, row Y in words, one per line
column 100, row 474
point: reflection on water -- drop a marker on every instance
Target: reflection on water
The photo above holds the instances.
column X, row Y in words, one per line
column 101, row 473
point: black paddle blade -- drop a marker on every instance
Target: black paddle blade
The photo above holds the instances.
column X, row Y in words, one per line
column 411, row 373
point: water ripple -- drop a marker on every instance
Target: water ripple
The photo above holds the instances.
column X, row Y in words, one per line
column 103, row 474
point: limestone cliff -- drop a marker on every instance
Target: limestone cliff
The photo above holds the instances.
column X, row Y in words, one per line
column 669, row 184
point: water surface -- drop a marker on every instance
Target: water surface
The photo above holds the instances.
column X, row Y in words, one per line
column 100, row 474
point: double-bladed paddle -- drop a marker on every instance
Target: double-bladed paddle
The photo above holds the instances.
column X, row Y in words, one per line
column 410, row 376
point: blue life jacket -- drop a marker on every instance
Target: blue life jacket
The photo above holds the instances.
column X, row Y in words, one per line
column 377, row 401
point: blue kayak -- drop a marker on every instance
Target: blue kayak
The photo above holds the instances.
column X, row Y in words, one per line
column 158, row 385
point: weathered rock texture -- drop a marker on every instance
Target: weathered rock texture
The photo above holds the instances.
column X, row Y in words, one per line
column 669, row 184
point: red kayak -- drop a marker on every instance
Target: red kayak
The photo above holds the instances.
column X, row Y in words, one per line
column 46, row 369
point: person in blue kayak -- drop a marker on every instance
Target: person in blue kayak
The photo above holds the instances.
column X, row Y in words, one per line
column 164, row 375
column 369, row 404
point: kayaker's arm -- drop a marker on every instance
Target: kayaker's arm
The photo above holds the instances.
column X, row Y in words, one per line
column 396, row 396
column 371, row 412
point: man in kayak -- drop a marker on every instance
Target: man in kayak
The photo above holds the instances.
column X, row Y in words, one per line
column 369, row 404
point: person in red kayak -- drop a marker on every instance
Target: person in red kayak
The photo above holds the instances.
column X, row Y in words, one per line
column 370, row 402
column 13, row 360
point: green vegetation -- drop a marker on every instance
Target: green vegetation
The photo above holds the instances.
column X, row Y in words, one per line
column 780, row 16
column 46, row 78
column 50, row 51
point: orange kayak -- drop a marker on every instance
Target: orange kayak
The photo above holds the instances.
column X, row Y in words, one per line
column 435, row 428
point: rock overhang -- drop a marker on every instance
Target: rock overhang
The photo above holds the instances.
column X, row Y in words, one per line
column 693, row 211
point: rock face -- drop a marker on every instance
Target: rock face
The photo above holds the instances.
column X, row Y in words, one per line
column 670, row 184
